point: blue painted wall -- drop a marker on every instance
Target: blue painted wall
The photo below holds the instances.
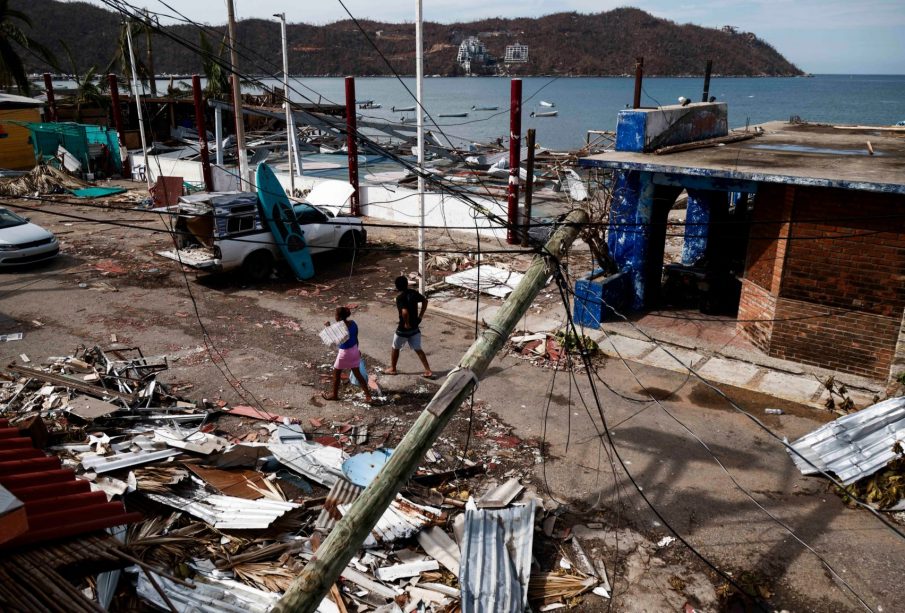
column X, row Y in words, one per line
column 697, row 228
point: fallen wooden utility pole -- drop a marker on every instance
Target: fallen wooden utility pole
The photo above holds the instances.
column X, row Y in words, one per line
column 331, row 558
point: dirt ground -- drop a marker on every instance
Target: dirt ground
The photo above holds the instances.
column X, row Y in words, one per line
column 257, row 345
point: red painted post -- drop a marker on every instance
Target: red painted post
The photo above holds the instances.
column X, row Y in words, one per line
column 51, row 102
column 117, row 112
column 201, row 125
column 351, row 134
column 639, row 75
column 515, row 148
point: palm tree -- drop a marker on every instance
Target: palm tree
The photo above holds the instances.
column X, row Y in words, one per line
column 121, row 55
column 13, row 39
column 87, row 87
column 213, row 66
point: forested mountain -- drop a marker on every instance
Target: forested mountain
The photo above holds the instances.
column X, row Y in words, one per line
column 563, row 43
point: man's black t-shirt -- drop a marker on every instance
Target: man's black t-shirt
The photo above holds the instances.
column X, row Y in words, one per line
column 409, row 300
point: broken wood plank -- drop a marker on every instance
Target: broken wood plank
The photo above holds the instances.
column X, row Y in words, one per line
column 64, row 381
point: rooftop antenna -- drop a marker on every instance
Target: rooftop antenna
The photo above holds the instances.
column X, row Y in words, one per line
column 707, row 71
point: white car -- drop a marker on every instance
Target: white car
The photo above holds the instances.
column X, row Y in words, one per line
column 22, row 242
column 221, row 232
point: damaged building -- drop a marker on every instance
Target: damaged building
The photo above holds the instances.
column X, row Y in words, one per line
column 795, row 229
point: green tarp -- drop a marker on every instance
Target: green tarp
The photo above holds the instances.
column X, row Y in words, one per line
column 98, row 192
column 77, row 139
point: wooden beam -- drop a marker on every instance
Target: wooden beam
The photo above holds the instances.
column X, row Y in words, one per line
column 331, row 558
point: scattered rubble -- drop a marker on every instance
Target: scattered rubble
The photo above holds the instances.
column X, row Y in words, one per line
column 230, row 519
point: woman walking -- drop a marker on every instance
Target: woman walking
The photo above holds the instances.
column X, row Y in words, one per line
column 348, row 357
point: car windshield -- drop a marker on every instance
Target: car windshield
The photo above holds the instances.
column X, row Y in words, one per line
column 9, row 219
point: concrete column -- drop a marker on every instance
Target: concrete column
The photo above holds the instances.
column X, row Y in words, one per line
column 897, row 367
column 631, row 214
column 697, row 226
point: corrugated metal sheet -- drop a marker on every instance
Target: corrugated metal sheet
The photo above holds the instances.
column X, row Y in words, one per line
column 313, row 460
column 56, row 503
column 227, row 512
column 104, row 464
column 856, row 445
column 210, row 595
column 342, row 493
column 496, row 559
column 401, row 520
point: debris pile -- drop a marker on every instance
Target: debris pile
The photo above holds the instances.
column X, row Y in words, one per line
column 42, row 179
column 543, row 349
column 865, row 450
column 231, row 517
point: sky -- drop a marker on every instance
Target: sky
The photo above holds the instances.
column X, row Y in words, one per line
column 819, row 36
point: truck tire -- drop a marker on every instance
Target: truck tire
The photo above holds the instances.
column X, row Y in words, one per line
column 257, row 266
column 349, row 244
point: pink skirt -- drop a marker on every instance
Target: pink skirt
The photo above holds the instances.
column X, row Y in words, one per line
column 347, row 358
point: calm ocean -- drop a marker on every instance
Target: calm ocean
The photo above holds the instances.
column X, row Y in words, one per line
column 592, row 103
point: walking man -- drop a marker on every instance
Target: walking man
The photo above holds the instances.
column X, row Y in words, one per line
column 408, row 330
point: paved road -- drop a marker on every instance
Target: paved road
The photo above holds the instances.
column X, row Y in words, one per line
column 267, row 336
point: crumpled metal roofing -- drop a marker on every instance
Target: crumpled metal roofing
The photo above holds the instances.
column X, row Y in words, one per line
column 496, row 559
column 317, row 462
column 227, row 512
column 402, row 519
column 210, row 595
column 855, row 445
column 342, row 493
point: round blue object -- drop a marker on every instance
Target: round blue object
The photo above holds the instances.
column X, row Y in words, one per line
column 361, row 469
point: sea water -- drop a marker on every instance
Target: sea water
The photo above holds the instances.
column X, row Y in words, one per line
column 591, row 103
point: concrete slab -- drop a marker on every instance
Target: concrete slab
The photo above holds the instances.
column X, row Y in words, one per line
column 732, row 372
column 661, row 359
column 616, row 345
column 790, row 387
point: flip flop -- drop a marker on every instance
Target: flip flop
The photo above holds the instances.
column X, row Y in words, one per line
column 326, row 397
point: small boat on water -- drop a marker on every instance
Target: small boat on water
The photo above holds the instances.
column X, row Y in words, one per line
column 369, row 104
column 402, row 109
column 485, row 108
column 545, row 114
column 452, row 115
column 549, row 105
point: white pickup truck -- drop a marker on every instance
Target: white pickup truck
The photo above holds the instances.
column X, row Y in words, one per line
column 223, row 231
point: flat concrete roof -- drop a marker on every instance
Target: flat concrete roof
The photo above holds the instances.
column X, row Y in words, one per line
column 797, row 154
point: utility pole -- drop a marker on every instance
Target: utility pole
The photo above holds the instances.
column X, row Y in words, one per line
column 244, row 177
column 201, row 124
column 515, row 151
column 707, row 72
column 419, row 111
column 117, row 113
column 290, row 132
column 529, row 189
column 137, row 95
column 331, row 558
column 152, row 78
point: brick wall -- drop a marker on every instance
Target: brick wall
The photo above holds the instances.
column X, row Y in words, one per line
column 836, row 288
column 764, row 250
column 847, row 251
column 849, row 341
column 756, row 311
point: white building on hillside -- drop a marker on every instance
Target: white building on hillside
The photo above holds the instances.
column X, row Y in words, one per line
column 516, row 54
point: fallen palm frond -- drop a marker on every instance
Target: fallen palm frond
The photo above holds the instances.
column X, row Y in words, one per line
column 157, row 479
column 273, row 491
column 156, row 540
column 42, row 179
column 269, row 552
column 264, row 576
column 884, row 488
column 551, row 586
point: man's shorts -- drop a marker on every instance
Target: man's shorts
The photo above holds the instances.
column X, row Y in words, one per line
column 413, row 341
